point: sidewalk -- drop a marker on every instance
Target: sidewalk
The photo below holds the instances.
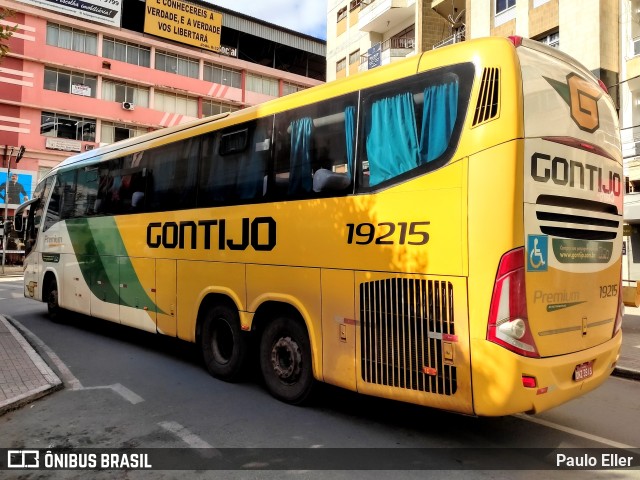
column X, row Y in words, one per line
column 25, row 377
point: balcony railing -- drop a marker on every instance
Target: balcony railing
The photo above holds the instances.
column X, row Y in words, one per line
column 457, row 37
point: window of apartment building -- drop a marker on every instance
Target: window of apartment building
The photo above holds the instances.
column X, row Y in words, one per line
column 288, row 88
column 169, row 62
column 260, row 84
column 126, row 52
column 210, row 108
column 341, row 65
column 221, row 75
column 553, row 40
column 114, row 132
column 354, row 4
column 342, row 14
column 67, row 126
column 123, row 92
column 72, row 39
column 504, row 11
column 175, row 103
column 503, row 5
column 354, row 57
column 70, row 82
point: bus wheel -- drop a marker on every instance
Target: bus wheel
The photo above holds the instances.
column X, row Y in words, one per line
column 285, row 360
column 51, row 297
column 224, row 345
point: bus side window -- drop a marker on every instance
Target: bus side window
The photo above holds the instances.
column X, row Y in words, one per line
column 315, row 149
column 234, row 164
column 173, row 169
column 412, row 123
column 68, row 188
column 53, row 211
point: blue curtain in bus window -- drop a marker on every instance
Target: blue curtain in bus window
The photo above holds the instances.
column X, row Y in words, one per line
column 300, row 178
column 350, row 131
column 392, row 140
column 438, row 119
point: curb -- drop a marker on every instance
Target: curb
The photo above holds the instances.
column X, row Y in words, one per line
column 628, row 373
column 53, row 383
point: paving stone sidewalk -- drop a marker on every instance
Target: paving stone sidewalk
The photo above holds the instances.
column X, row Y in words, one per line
column 24, row 376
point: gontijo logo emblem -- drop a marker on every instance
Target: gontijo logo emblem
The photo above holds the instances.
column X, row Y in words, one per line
column 537, row 253
column 582, row 97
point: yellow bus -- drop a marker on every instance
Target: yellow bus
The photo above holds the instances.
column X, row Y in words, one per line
column 445, row 231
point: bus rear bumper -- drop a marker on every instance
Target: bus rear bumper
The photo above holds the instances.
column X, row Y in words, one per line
column 498, row 385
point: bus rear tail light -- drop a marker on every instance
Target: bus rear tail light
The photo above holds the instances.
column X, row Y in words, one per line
column 508, row 320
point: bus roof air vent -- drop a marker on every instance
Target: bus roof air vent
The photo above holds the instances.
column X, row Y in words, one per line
column 488, row 105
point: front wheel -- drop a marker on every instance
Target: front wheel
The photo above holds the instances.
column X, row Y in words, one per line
column 224, row 345
column 51, row 297
column 285, row 360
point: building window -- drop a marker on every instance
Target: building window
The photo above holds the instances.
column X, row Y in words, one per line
column 123, row 92
column 288, row 88
column 341, row 65
column 505, row 12
column 221, row 75
column 342, row 14
column 210, row 108
column 126, row 52
column 260, row 84
column 354, row 57
column 168, row 62
column 503, row 5
column 72, row 39
column 174, row 103
column 114, row 132
column 354, row 4
column 553, row 40
column 70, row 82
column 67, row 126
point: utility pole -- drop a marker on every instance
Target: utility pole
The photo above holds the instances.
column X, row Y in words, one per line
column 5, row 230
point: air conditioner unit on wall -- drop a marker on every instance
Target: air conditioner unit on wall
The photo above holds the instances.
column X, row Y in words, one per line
column 127, row 105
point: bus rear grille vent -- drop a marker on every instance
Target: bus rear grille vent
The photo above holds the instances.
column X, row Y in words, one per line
column 488, row 100
column 402, row 326
column 577, row 218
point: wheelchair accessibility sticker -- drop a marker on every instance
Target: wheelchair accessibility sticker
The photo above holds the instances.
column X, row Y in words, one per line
column 537, row 253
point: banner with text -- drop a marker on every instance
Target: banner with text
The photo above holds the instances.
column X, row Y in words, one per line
column 102, row 11
column 183, row 22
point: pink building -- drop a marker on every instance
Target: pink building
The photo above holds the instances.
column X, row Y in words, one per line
column 72, row 81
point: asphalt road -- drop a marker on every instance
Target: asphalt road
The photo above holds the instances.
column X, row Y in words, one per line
column 129, row 389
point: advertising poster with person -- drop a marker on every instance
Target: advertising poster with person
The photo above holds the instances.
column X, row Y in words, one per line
column 18, row 189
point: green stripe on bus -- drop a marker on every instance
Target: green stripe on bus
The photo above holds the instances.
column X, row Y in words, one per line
column 104, row 261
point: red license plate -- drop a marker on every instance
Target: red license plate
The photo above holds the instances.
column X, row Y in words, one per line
column 582, row 371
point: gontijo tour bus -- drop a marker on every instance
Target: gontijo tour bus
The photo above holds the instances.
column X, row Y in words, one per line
column 444, row 231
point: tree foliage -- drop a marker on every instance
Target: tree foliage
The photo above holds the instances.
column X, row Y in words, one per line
column 5, row 31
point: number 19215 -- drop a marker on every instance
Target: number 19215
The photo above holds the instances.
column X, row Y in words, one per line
column 388, row 233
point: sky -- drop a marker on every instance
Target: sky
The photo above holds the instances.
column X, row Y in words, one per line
column 305, row 16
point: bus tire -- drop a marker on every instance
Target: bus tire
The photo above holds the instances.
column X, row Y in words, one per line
column 285, row 360
column 51, row 297
column 224, row 346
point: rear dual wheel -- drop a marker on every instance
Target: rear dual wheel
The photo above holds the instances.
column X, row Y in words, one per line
column 285, row 360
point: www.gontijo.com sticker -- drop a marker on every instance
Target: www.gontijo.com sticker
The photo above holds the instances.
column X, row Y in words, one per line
column 537, row 253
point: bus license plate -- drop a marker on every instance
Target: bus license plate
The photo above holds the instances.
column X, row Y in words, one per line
column 582, row 371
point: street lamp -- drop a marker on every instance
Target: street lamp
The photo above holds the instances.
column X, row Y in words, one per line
column 5, row 232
